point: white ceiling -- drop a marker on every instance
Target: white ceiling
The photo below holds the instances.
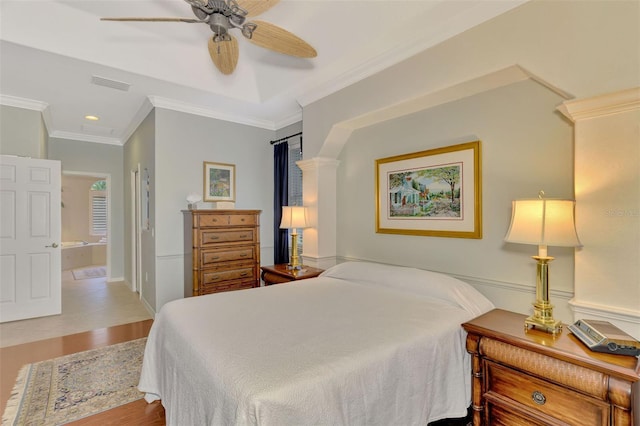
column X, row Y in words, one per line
column 49, row 51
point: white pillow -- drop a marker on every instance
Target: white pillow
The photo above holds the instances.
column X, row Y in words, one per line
column 417, row 281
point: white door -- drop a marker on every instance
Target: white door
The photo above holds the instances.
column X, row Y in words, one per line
column 30, row 270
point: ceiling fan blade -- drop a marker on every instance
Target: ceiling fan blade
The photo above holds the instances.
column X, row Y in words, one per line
column 224, row 54
column 280, row 40
column 256, row 7
column 187, row 20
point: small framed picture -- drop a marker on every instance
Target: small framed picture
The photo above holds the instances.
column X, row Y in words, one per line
column 219, row 182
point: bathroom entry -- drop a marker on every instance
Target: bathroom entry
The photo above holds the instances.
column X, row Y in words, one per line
column 85, row 221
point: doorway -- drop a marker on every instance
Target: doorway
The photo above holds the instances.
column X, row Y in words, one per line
column 86, row 219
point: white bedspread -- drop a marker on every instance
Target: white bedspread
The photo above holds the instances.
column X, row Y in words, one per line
column 323, row 351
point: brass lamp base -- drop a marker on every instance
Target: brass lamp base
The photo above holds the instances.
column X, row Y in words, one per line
column 295, row 263
column 542, row 317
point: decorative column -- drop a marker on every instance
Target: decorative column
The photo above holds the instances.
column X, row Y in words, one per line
column 607, row 189
column 319, row 196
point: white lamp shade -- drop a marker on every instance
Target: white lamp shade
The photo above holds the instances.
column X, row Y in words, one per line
column 543, row 222
column 294, row 217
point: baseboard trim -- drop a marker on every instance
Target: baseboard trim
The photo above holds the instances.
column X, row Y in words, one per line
column 148, row 308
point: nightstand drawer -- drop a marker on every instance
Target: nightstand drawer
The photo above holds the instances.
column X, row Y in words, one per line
column 501, row 414
column 560, row 403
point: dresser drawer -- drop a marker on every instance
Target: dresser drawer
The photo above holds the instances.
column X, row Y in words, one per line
column 227, row 286
column 213, row 257
column 227, row 220
column 531, row 393
column 208, row 237
column 213, row 277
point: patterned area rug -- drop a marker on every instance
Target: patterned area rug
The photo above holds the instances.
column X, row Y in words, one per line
column 86, row 273
column 71, row 387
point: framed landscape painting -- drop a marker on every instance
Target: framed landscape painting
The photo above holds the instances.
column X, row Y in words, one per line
column 433, row 193
column 219, row 182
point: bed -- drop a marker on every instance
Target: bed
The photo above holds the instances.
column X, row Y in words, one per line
column 362, row 344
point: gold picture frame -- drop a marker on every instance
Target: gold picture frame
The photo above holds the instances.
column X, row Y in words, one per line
column 219, row 182
column 435, row 193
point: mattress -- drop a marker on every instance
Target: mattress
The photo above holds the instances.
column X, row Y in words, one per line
column 363, row 344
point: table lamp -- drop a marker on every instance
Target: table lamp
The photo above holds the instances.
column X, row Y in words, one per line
column 294, row 217
column 543, row 222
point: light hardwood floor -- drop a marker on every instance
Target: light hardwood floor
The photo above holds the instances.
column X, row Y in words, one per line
column 135, row 413
column 94, row 314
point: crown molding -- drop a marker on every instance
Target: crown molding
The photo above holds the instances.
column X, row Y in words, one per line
column 160, row 102
column 456, row 25
column 137, row 119
column 611, row 103
column 43, row 108
column 296, row 117
column 14, row 101
column 84, row 138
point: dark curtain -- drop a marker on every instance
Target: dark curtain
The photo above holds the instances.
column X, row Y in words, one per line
column 280, row 198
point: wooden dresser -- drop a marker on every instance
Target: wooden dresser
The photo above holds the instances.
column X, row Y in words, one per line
column 222, row 250
column 533, row 378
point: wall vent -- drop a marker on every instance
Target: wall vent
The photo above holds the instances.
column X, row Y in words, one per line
column 107, row 82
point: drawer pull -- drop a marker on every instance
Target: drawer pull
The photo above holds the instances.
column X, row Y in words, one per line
column 215, row 237
column 243, row 236
column 244, row 255
column 538, row 397
column 244, row 274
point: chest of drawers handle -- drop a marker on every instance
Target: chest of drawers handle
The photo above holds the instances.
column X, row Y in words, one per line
column 538, row 397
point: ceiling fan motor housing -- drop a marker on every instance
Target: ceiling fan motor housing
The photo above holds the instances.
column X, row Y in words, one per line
column 219, row 23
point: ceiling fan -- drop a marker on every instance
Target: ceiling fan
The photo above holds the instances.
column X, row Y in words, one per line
column 225, row 15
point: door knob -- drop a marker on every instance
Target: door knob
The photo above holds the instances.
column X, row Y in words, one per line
column 54, row 245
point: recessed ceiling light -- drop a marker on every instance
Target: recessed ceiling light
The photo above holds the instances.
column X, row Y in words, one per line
column 91, row 117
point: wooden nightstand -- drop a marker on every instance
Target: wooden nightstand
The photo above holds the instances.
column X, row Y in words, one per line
column 276, row 274
column 532, row 378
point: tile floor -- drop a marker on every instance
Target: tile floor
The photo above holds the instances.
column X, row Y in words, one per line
column 86, row 305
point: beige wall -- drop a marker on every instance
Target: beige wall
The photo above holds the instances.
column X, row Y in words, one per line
column 526, row 146
column 22, row 132
column 582, row 48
